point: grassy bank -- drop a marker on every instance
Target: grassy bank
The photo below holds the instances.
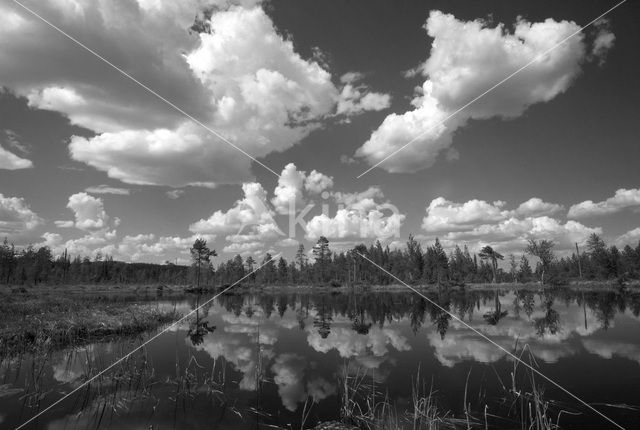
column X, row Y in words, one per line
column 48, row 317
column 428, row 288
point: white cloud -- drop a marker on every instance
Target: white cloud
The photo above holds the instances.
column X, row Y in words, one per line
column 243, row 248
column 16, row 217
column 536, row 207
column 623, row 199
column 603, row 41
column 356, row 98
column 10, row 161
column 512, row 234
column 88, row 245
column 106, row 189
column 64, row 223
column 249, row 220
column 466, row 59
column 479, row 223
column 445, row 216
column 44, row 68
column 141, row 247
column 89, row 212
column 287, row 242
column 631, row 238
column 288, row 193
column 187, row 155
column 242, row 79
column 359, row 215
column 317, row 182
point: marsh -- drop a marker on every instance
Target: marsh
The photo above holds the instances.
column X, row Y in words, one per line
column 369, row 359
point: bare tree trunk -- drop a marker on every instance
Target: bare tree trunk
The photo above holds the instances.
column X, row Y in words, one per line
column 198, row 275
column 579, row 263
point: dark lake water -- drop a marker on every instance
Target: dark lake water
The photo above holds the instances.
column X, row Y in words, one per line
column 260, row 361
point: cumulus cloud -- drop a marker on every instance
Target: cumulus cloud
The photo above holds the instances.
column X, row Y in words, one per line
column 359, row 215
column 480, row 223
column 356, row 97
column 466, row 59
column 10, row 161
column 101, row 241
column 249, row 225
column 249, row 220
column 89, row 212
column 292, row 183
column 318, row 182
column 243, row 248
column 16, row 217
column 632, row 238
column 236, row 74
column 144, row 247
column 141, row 247
column 623, row 199
column 288, row 192
column 444, row 215
column 536, row 207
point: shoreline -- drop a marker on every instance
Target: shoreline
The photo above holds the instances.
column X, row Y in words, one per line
column 151, row 292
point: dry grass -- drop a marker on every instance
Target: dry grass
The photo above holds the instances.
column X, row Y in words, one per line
column 29, row 322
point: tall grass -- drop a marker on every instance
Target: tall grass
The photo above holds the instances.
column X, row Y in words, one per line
column 525, row 405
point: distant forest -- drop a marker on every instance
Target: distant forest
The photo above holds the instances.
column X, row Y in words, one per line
column 412, row 264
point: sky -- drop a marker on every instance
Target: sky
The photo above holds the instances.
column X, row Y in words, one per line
column 253, row 128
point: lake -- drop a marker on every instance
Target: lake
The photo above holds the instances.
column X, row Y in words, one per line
column 297, row 359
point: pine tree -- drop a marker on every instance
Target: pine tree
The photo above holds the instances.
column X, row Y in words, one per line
column 322, row 254
column 201, row 254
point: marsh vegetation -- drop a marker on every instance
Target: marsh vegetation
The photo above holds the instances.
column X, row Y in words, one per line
column 366, row 360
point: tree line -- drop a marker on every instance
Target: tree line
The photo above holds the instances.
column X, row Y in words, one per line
column 412, row 263
column 31, row 266
column 433, row 265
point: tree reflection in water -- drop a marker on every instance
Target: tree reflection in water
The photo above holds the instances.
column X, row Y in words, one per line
column 367, row 310
column 494, row 317
column 199, row 328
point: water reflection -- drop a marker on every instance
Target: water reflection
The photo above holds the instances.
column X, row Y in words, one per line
column 265, row 356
